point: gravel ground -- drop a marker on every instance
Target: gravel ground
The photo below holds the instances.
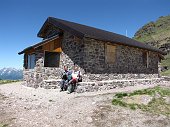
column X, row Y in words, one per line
column 22, row 106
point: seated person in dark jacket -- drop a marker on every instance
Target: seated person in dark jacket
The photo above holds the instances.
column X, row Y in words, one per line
column 64, row 81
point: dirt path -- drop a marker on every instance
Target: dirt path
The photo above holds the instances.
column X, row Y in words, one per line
column 22, row 106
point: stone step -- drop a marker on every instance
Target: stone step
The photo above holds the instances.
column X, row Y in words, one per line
column 112, row 84
column 51, row 84
column 100, row 85
column 166, row 78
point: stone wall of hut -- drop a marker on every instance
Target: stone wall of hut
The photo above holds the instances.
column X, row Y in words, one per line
column 90, row 56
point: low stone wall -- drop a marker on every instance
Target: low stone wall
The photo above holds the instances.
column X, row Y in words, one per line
column 112, row 84
column 100, row 85
column 48, row 77
column 101, row 77
column 35, row 78
column 50, row 84
column 29, row 77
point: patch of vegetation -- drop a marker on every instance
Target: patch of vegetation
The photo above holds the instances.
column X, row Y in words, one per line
column 8, row 81
column 157, row 33
column 119, row 102
column 157, row 105
column 121, row 95
column 166, row 62
column 166, row 73
column 3, row 125
column 144, row 38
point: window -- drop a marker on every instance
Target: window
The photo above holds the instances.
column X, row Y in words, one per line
column 145, row 57
column 31, row 61
column 110, row 51
column 52, row 59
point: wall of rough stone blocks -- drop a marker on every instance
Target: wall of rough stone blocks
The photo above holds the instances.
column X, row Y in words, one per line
column 127, row 59
column 34, row 77
column 89, row 55
column 73, row 51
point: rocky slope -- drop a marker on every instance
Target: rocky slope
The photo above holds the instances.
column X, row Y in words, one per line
column 157, row 34
column 11, row 74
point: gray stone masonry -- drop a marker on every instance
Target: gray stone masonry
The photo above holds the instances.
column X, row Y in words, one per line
column 112, row 84
column 127, row 59
column 89, row 55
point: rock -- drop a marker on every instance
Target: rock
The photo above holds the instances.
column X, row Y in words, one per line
column 167, row 100
column 138, row 99
column 157, row 95
column 89, row 119
column 75, row 121
column 58, row 116
column 93, row 103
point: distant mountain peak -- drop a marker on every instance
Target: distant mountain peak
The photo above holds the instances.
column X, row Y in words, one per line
column 11, row 73
column 155, row 33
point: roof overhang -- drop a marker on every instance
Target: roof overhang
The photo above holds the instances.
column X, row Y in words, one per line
column 39, row 44
column 60, row 25
column 82, row 31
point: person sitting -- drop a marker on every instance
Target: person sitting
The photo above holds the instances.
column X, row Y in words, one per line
column 76, row 77
column 64, row 81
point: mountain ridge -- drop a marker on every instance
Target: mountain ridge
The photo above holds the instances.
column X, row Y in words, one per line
column 11, row 73
column 157, row 34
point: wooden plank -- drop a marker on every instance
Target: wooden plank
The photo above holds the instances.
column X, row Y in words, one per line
column 53, row 46
column 110, row 53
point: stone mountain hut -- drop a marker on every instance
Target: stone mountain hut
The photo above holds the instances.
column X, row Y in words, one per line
column 100, row 55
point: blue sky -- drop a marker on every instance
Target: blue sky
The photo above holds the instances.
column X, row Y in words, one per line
column 20, row 20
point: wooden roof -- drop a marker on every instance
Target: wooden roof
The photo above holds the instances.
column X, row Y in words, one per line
column 82, row 31
column 39, row 44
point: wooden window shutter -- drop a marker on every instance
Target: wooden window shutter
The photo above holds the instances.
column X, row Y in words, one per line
column 110, row 51
column 145, row 57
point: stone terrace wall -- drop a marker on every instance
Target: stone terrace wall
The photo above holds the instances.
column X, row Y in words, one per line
column 112, row 84
column 104, row 77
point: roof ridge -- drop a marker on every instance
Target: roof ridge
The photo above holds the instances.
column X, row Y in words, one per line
column 85, row 25
column 81, row 30
column 53, row 18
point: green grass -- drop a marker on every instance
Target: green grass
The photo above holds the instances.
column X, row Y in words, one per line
column 161, row 31
column 156, row 105
column 121, row 95
column 166, row 73
column 119, row 102
column 166, row 62
column 3, row 125
column 8, row 81
column 144, row 38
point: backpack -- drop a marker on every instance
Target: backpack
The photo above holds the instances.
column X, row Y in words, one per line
column 64, row 76
column 69, row 76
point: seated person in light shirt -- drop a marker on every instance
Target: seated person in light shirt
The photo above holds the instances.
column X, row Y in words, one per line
column 76, row 74
column 76, row 77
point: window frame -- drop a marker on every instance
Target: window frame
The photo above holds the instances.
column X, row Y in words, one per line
column 145, row 58
column 29, row 63
column 52, row 52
